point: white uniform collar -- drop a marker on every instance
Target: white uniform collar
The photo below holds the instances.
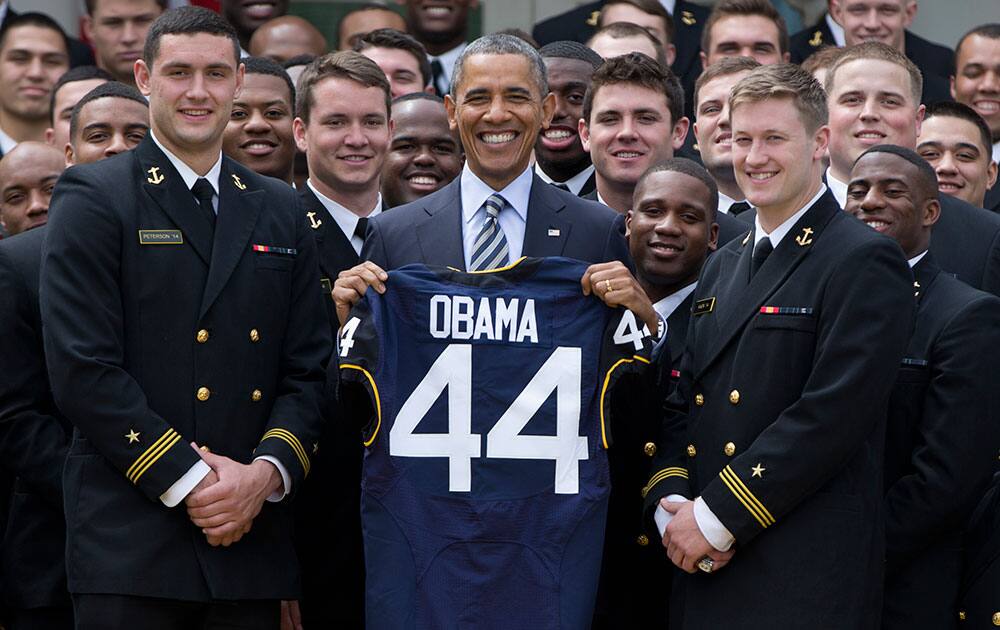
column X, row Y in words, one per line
column 575, row 183
column 185, row 171
column 779, row 232
column 666, row 307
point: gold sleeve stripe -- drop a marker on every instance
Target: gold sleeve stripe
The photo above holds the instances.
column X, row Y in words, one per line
column 291, row 440
column 378, row 402
column 743, row 494
column 673, row 471
column 604, row 390
column 166, row 447
column 154, row 451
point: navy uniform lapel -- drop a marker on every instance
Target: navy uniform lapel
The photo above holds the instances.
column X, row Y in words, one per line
column 545, row 230
column 335, row 250
column 440, row 235
column 164, row 185
column 239, row 208
column 677, row 327
column 924, row 274
column 739, row 299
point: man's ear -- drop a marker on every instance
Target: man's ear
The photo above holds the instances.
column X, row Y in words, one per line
column 584, row 132
column 142, row 73
column 70, row 157
column 451, row 110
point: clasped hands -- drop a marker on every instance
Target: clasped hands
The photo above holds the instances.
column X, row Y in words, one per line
column 611, row 282
column 231, row 495
column 684, row 542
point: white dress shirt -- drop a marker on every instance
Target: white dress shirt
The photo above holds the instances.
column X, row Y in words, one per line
column 666, row 307
column 7, row 143
column 711, row 527
column 836, row 30
column 447, row 60
column 183, row 486
column 996, row 152
column 913, row 261
column 346, row 220
column 725, row 201
column 575, row 183
column 837, row 187
column 512, row 218
column 669, row 5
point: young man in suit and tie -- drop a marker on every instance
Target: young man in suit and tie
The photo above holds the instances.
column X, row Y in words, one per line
column 342, row 124
column 185, row 341
column 796, row 334
column 498, row 210
column 943, row 426
column 873, row 95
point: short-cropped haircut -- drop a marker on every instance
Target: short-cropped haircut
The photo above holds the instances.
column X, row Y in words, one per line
column 882, row 52
column 783, row 80
column 345, row 64
column 640, row 70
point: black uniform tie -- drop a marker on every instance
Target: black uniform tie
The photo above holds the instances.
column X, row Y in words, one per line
column 361, row 228
column 204, row 192
column 738, row 208
column 761, row 251
column 561, row 186
column 437, row 76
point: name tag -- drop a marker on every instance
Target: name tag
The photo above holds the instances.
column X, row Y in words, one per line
column 327, row 285
column 160, row 237
column 703, row 306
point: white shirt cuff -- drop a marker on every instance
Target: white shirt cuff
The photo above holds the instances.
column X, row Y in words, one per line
column 663, row 517
column 183, row 486
column 711, row 527
column 286, row 479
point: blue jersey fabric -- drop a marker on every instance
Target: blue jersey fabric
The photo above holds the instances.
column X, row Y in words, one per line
column 500, row 535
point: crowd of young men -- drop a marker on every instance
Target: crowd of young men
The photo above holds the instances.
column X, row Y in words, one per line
column 816, row 245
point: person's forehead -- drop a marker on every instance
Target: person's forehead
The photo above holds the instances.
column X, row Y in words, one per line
column 744, row 28
column 336, row 95
column 777, row 113
column 614, row 46
column 69, row 94
column 30, row 170
column 873, row 4
column 720, row 86
column 561, row 70
column 622, row 12
column 629, row 96
column 112, row 111
column 264, row 88
column 392, row 56
column 37, row 39
column 979, row 49
column 881, row 166
column 370, row 20
column 673, row 188
column 124, row 8
column 419, row 111
column 480, row 70
column 191, row 46
column 876, row 75
column 950, row 130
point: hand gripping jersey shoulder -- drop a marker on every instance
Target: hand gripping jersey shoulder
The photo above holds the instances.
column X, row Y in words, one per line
column 485, row 480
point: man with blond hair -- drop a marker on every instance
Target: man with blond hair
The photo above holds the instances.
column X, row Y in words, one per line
column 765, row 487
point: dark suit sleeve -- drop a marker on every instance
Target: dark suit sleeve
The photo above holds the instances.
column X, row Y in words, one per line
column 616, row 247
column 296, row 420
column 83, row 324
column 864, row 325
column 991, row 269
column 958, row 434
column 33, row 444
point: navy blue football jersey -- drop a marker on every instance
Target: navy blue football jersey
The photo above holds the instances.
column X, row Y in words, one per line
column 485, row 479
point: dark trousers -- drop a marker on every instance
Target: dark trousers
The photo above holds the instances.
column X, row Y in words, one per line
column 48, row 618
column 111, row 612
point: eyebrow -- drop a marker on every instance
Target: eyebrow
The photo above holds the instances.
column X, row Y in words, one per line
column 959, row 144
column 277, row 101
column 418, row 139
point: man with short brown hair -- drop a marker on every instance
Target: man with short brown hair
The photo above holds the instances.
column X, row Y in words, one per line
column 117, row 29
column 744, row 28
column 763, row 441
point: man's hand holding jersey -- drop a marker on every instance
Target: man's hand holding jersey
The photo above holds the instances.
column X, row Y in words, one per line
column 611, row 282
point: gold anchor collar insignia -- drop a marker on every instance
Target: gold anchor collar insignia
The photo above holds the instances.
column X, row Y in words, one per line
column 314, row 223
column 155, row 177
column 804, row 238
column 817, row 39
column 594, row 16
column 688, row 18
column 239, row 184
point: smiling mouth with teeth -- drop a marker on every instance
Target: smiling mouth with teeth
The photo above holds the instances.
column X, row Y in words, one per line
column 627, row 155
column 497, row 138
column 423, row 180
column 988, row 107
column 557, row 134
column 761, row 176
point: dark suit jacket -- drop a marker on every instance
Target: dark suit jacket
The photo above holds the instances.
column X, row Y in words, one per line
column 966, row 242
column 992, row 201
column 979, row 600
column 34, row 437
column 328, row 507
column 429, row 230
column 941, row 445
column 153, row 327
column 580, row 23
column 778, row 423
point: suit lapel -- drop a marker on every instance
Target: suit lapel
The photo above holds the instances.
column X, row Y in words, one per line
column 239, row 208
column 335, row 250
column 677, row 326
column 439, row 242
column 740, row 299
column 545, row 231
column 924, row 274
column 165, row 186
column 588, row 186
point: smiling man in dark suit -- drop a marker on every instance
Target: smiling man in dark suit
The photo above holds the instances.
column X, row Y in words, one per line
column 185, row 341
column 497, row 210
column 772, row 443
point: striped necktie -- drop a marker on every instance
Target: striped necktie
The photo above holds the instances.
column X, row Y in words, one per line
column 490, row 248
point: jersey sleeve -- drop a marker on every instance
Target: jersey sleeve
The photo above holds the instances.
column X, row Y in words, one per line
column 626, row 350
column 358, row 355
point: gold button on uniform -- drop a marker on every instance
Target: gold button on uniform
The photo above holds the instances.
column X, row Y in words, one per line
column 734, row 396
column 692, row 451
column 256, row 395
column 254, row 335
column 699, row 400
column 203, row 394
column 961, row 615
column 649, row 449
column 202, row 336
column 996, row 619
column 730, row 449
column 643, row 540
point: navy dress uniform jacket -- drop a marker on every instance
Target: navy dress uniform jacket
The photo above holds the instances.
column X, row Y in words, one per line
column 34, row 438
column 157, row 335
column 778, row 423
column 328, row 505
column 429, row 230
column 941, row 445
column 979, row 606
column 966, row 242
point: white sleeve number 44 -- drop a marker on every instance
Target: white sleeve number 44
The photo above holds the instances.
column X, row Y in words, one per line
column 453, row 369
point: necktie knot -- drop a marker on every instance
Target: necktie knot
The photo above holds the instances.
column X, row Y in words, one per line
column 761, row 251
column 490, row 249
column 361, row 228
column 494, row 204
column 203, row 190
